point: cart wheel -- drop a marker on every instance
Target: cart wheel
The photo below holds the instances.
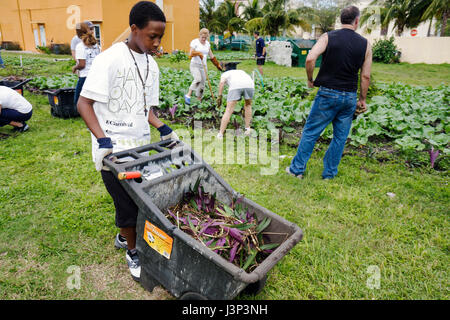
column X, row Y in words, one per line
column 256, row 287
column 193, row 296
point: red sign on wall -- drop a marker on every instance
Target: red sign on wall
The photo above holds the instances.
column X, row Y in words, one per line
column 414, row 32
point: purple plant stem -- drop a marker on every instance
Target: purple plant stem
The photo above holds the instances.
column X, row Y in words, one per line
column 433, row 156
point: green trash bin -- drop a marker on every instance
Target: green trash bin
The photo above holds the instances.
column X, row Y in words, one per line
column 301, row 57
column 299, row 52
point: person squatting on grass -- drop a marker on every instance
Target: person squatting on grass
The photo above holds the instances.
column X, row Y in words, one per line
column 85, row 52
column 240, row 85
column 200, row 49
column 14, row 109
column 118, row 111
column 344, row 53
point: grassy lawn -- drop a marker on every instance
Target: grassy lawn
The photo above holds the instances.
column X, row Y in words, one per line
column 55, row 213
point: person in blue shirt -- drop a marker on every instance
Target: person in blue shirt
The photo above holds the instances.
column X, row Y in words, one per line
column 260, row 51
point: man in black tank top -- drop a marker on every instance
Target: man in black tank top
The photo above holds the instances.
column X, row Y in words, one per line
column 344, row 53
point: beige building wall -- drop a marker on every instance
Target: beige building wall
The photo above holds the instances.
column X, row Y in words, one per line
column 431, row 50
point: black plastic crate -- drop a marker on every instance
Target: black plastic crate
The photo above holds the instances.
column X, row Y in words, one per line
column 62, row 103
column 15, row 85
column 184, row 266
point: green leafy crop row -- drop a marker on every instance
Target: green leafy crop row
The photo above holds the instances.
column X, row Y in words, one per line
column 54, row 82
column 413, row 117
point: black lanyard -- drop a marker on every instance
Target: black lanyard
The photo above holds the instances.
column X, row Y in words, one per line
column 140, row 77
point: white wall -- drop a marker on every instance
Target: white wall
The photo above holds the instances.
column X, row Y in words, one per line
column 431, row 50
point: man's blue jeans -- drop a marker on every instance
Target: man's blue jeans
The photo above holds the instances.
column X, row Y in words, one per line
column 333, row 106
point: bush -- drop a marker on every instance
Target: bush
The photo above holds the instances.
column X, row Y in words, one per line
column 386, row 51
column 55, row 48
column 63, row 48
column 178, row 56
column 9, row 45
column 44, row 49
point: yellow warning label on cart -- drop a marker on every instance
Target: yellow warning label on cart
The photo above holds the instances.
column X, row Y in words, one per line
column 158, row 240
column 304, row 52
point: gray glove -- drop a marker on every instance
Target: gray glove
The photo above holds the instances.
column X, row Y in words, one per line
column 105, row 147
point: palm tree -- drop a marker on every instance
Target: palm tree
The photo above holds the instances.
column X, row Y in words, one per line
column 226, row 14
column 401, row 13
column 272, row 18
column 369, row 14
column 208, row 16
column 322, row 13
column 309, row 15
column 439, row 9
column 252, row 11
column 294, row 19
column 327, row 18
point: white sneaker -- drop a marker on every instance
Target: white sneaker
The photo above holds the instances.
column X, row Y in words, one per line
column 133, row 265
column 219, row 136
column 120, row 242
column 248, row 131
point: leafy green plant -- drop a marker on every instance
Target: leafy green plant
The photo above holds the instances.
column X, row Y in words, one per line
column 54, row 82
column 414, row 118
column 386, row 51
column 44, row 49
column 178, row 56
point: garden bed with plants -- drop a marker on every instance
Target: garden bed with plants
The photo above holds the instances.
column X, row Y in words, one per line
column 410, row 117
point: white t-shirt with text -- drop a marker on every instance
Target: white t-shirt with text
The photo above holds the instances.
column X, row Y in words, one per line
column 237, row 79
column 86, row 53
column 113, row 82
column 11, row 99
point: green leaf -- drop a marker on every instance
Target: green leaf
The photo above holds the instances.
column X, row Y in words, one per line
column 241, row 226
column 191, row 225
column 226, row 211
column 250, row 259
column 263, row 225
column 269, row 246
column 194, row 204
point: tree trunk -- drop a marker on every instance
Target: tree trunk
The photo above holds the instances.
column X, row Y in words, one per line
column 429, row 28
column 444, row 22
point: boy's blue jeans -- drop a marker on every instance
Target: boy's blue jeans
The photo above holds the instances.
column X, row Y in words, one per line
column 333, row 106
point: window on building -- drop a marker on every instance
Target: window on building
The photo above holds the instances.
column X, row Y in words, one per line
column 36, row 37
column 97, row 33
column 42, row 34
